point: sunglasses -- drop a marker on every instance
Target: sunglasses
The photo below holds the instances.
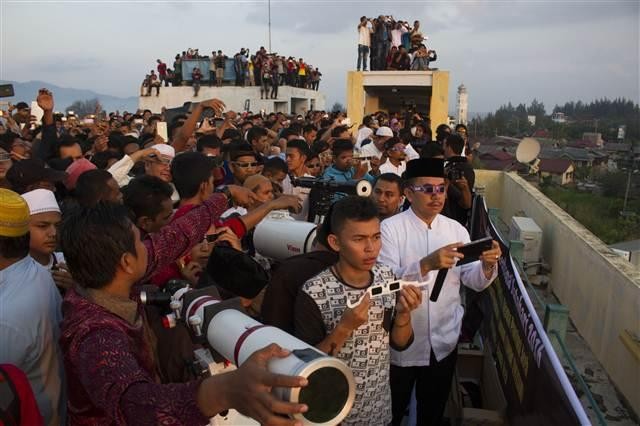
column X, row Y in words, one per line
column 429, row 189
column 246, row 165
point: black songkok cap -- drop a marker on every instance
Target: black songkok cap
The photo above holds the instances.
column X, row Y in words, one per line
column 424, row 167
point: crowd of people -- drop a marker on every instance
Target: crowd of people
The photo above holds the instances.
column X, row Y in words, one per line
column 390, row 44
column 92, row 211
column 263, row 69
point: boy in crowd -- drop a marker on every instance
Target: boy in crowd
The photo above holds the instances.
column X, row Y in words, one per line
column 360, row 336
column 43, row 230
column 344, row 168
column 297, row 153
column 396, row 157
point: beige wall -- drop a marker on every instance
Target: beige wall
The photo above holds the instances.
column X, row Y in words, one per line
column 439, row 109
column 359, row 104
column 601, row 290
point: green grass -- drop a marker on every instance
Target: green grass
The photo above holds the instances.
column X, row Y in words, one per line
column 599, row 214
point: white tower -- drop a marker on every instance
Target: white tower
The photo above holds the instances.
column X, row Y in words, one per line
column 462, row 104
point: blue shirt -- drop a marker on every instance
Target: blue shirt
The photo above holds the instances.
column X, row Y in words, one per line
column 345, row 176
column 30, row 315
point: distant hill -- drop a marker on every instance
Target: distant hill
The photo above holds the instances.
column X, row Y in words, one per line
column 64, row 97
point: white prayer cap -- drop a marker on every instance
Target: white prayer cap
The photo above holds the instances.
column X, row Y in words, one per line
column 165, row 150
column 41, row 201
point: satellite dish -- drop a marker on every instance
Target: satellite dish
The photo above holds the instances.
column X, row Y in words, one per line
column 528, row 150
column 527, row 153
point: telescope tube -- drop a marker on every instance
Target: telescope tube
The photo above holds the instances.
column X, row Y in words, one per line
column 331, row 390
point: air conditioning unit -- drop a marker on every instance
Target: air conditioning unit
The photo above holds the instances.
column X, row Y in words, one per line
column 527, row 230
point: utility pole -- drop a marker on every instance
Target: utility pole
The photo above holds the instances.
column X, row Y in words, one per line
column 269, row 5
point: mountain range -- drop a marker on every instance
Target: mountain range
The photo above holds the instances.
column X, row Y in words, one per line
column 27, row 92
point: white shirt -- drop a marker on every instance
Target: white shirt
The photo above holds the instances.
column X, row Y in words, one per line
column 436, row 325
column 363, row 134
column 388, row 167
column 364, row 35
column 370, row 150
column 411, row 153
column 396, row 36
column 302, row 193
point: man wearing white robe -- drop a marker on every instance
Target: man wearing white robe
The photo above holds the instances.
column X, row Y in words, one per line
column 416, row 244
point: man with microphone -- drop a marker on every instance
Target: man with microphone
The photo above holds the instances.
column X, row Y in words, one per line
column 416, row 244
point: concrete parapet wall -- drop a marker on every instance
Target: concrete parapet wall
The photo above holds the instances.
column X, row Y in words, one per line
column 601, row 290
column 301, row 100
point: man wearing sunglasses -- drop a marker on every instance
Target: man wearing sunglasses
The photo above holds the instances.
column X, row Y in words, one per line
column 396, row 155
column 416, row 244
column 243, row 163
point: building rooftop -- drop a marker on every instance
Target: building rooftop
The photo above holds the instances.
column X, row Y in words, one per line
column 554, row 165
column 600, row 289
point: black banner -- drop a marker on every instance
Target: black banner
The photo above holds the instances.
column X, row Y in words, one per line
column 535, row 385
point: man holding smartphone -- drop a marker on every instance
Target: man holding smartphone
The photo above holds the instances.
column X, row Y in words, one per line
column 416, row 244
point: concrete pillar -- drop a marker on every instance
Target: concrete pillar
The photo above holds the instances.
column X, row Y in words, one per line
column 439, row 109
column 372, row 104
column 355, row 98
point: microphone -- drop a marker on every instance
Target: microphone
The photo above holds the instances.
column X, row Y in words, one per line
column 437, row 286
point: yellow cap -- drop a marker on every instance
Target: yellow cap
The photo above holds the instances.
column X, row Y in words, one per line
column 14, row 214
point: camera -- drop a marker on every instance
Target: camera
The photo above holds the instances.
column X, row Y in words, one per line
column 454, row 169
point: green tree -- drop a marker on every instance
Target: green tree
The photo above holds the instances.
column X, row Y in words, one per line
column 337, row 107
column 82, row 108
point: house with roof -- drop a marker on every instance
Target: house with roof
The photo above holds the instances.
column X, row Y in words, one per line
column 496, row 159
column 559, row 169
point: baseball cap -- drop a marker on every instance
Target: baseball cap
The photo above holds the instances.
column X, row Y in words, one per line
column 22, row 105
column 384, row 131
column 27, row 172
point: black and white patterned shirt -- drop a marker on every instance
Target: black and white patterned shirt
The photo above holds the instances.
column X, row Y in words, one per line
column 319, row 308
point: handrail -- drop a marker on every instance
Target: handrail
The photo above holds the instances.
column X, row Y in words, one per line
column 576, row 373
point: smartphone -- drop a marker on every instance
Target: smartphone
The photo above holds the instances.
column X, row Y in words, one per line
column 474, row 249
column 6, row 90
column 138, row 121
column 161, row 129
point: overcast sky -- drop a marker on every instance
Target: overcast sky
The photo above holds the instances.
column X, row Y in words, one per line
column 501, row 50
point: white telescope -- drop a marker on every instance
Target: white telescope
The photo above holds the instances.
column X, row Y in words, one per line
column 279, row 236
column 331, row 389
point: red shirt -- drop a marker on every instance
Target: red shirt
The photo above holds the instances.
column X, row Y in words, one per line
column 109, row 363
column 162, row 68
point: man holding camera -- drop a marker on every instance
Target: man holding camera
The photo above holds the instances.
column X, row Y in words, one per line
column 461, row 179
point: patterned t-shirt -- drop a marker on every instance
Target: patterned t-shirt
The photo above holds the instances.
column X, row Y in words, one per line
column 319, row 308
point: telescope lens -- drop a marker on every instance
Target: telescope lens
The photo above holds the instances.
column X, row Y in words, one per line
column 158, row 298
column 326, row 394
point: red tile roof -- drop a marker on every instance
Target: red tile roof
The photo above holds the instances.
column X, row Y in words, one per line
column 554, row 165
